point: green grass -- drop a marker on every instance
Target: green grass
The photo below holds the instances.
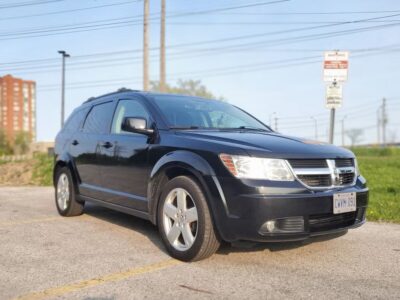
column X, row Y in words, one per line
column 381, row 168
column 43, row 169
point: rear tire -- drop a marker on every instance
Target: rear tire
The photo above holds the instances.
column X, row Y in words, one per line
column 185, row 222
column 66, row 203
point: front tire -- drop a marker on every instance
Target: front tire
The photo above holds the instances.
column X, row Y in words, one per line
column 66, row 203
column 184, row 221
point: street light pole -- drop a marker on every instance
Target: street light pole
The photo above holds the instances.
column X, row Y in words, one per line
column 64, row 55
column 316, row 127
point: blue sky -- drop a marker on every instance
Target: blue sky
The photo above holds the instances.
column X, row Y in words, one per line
column 266, row 58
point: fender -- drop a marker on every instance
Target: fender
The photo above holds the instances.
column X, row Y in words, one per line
column 189, row 161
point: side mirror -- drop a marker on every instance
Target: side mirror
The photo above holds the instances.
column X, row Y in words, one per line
column 136, row 125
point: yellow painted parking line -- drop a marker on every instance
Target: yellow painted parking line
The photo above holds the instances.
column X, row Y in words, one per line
column 61, row 290
column 29, row 221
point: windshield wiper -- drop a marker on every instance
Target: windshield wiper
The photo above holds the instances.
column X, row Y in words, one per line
column 247, row 128
column 184, row 127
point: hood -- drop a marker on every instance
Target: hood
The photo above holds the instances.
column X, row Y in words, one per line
column 269, row 144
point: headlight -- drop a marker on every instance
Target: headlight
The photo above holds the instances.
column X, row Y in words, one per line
column 257, row 168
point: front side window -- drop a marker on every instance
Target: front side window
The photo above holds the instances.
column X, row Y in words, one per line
column 184, row 112
column 99, row 119
column 127, row 108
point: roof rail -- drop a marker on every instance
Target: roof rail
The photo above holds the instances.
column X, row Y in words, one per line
column 90, row 99
column 120, row 90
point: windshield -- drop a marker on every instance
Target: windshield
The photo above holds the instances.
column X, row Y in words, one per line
column 190, row 113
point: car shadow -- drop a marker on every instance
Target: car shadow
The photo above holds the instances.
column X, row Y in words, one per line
column 244, row 246
column 144, row 227
column 150, row 231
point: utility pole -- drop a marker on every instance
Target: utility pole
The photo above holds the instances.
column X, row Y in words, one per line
column 63, row 55
column 384, row 121
column 146, row 46
column 276, row 123
column 332, row 121
column 270, row 119
column 332, row 126
column 378, row 125
column 162, row 49
column 316, row 127
column 343, row 131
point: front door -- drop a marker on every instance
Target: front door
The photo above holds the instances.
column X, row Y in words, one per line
column 125, row 169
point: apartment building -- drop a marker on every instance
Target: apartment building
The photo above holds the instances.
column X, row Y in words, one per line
column 17, row 107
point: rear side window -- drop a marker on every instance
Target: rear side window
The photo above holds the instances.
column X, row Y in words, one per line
column 74, row 122
column 99, row 119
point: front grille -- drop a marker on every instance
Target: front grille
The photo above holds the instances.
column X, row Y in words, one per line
column 316, row 180
column 308, row 163
column 324, row 173
column 344, row 162
column 345, row 179
column 330, row 221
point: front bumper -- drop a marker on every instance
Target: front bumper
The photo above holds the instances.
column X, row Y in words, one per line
column 245, row 214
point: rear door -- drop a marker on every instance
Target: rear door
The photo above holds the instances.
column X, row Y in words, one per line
column 87, row 147
column 125, row 168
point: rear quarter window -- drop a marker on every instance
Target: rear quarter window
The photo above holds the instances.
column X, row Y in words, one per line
column 75, row 121
column 99, row 118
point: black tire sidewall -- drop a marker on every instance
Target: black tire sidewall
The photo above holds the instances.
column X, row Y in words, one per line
column 199, row 199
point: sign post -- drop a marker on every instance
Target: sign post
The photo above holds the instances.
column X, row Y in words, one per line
column 335, row 72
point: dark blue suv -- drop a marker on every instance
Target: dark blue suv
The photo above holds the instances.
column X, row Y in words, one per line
column 203, row 171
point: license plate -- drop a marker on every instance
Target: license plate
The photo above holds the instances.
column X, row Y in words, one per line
column 344, row 202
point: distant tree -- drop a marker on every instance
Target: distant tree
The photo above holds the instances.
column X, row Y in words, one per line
column 186, row 87
column 355, row 135
column 5, row 147
column 21, row 143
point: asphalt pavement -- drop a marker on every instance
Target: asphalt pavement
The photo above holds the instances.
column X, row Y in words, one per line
column 109, row 255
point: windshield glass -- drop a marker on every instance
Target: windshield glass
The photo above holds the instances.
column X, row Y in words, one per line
column 190, row 112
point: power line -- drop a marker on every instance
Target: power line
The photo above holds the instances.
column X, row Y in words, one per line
column 313, row 13
column 113, row 23
column 28, row 3
column 250, row 68
column 68, row 10
column 257, row 23
column 131, row 51
column 221, row 71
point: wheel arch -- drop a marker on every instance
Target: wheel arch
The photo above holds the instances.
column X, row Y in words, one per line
column 66, row 161
column 174, row 164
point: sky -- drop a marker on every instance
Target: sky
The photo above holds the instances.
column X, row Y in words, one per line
column 263, row 56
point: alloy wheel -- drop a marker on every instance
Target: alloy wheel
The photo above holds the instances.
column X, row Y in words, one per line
column 63, row 191
column 180, row 219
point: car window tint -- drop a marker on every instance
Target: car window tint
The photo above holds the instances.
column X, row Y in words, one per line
column 75, row 120
column 127, row 108
column 191, row 111
column 222, row 119
column 99, row 119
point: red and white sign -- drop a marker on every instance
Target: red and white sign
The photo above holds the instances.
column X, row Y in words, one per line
column 336, row 65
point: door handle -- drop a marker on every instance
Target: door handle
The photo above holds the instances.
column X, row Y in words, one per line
column 107, row 145
column 75, row 142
